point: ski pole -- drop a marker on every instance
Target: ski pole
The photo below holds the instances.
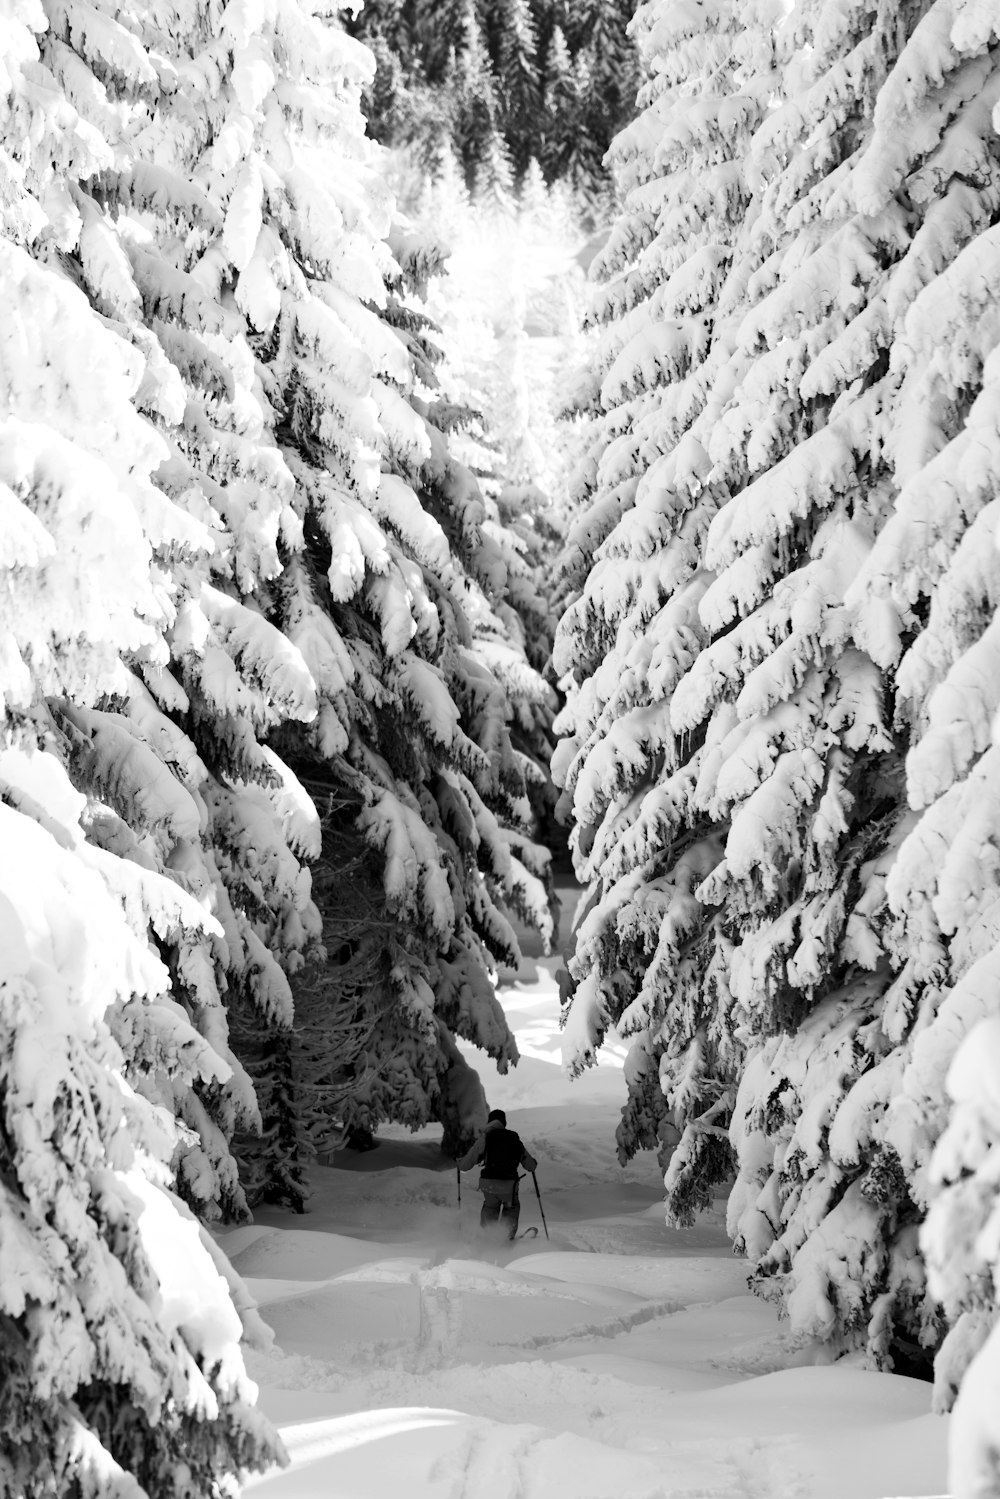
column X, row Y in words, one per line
column 538, row 1194
column 458, row 1179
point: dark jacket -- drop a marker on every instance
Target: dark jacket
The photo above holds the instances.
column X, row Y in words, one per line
column 500, row 1152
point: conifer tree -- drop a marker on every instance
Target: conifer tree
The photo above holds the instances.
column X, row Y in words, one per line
column 412, row 736
column 388, row 104
column 493, row 183
column 926, row 629
column 959, row 1239
column 477, row 102
column 519, row 81
column 248, row 274
column 196, row 207
column 117, row 1084
column 641, row 955
column 607, row 84
column 774, row 417
column 561, row 106
column 438, row 26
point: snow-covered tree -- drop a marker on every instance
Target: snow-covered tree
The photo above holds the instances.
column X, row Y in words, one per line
column 122, row 1375
column 933, row 568
column 123, row 1369
column 963, row 1253
column 195, row 274
column 200, row 400
column 393, row 602
column 628, row 638
column 507, row 305
column 768, row 656
column 921, row 196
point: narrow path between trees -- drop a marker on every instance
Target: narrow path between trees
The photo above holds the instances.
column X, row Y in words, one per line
column 618, row 1358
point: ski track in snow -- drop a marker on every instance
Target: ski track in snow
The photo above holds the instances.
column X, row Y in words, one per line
column 616, row 1360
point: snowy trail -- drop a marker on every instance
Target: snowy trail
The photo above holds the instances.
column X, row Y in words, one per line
column 618, row 1360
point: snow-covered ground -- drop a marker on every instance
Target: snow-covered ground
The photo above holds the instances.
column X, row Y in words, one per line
column 615, row 1360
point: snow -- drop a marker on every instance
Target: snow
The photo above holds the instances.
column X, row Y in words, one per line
column 615, row 1358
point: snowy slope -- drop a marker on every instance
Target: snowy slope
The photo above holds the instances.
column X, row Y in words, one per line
column 615, row 1359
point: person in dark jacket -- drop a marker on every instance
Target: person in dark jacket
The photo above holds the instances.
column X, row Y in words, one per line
column 501, row 1153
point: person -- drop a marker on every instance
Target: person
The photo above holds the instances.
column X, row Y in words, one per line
column 501, row 1152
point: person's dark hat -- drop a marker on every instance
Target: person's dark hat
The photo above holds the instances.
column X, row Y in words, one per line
column 496, row 1114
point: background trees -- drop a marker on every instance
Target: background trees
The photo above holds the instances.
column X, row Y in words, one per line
column 515, row 80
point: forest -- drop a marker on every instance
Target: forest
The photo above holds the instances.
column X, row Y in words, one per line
column 341, row 612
